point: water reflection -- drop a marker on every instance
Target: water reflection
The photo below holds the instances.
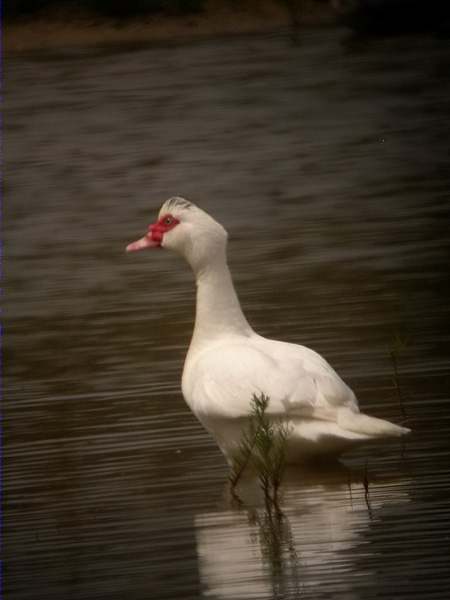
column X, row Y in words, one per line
column 254, row 551
column 278, row 551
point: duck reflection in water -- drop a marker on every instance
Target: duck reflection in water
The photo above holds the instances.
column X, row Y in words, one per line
column 313, row 541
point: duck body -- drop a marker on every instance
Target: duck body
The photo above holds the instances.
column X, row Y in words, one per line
column 220, row 381
column 227, row 363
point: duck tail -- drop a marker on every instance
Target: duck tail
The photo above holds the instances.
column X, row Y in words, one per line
column 373, row 427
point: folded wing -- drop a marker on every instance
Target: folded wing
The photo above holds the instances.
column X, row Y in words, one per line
column 298, row 381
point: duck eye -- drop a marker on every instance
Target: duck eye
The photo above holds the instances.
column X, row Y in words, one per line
column 168, row 221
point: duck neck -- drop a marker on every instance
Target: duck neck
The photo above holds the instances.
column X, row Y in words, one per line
column 218, row 311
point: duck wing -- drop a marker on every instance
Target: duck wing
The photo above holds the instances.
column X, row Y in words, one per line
column 299, row 382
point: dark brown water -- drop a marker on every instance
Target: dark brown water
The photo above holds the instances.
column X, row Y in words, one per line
column 328, row 163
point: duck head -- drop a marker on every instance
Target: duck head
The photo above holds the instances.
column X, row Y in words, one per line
column 188, row 230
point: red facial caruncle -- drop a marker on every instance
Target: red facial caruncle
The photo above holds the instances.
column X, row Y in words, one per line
column 155, row 234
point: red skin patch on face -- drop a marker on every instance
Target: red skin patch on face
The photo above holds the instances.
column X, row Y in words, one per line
column 155, row 234
column 157, row 230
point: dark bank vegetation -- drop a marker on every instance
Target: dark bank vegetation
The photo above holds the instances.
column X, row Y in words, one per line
column 107, row 8
column 60, row 24
column 394, row 16
column 133, row 8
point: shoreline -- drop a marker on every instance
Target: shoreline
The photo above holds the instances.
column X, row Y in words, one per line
column 56, row 32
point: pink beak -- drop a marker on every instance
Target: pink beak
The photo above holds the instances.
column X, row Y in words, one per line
column 144, row 242
column 154, row 236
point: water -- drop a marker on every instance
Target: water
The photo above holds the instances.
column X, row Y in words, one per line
column 328, row 163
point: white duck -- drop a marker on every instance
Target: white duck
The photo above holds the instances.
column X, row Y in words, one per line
column 227, row 362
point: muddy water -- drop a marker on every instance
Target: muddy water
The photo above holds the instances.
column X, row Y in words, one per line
column 327, row 161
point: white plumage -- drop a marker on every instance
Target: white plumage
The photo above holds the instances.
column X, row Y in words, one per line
column 227, row 362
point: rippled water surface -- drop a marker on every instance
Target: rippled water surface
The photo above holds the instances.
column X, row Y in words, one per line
column 328, row 163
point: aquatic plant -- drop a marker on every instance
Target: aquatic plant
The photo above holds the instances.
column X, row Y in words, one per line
column 263, row 447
